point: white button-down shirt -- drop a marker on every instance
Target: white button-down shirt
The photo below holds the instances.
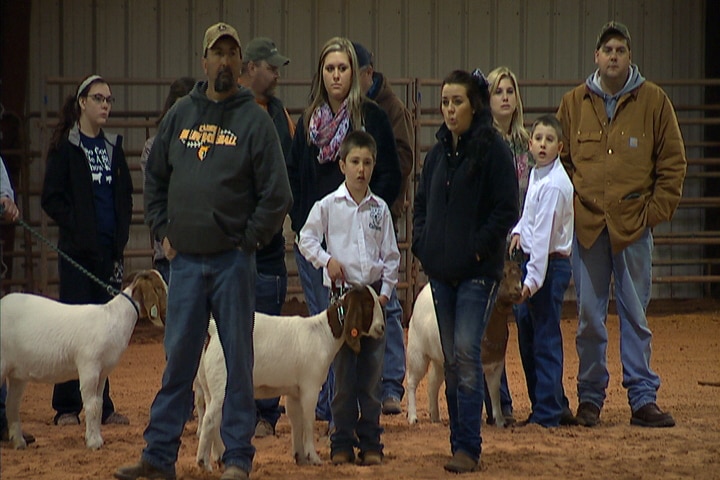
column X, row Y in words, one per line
column 547, row 221
column 359, row 236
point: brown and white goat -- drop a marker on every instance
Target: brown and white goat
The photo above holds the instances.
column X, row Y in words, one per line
column 424, row 346
column 42, row 340
column 292, row 358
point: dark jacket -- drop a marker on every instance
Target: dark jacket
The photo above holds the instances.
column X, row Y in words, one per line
column 67, row 196
column 280, row 118
column 215, row 178
column 310, row 181
column 270, row 260
column 463, row 214
column 402, row 125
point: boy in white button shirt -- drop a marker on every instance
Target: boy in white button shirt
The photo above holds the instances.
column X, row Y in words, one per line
column 544, row 233
column 357, row 228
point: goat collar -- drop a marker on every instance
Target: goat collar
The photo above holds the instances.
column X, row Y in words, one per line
column 137, row 310
column 336, row 315
column 337, row 295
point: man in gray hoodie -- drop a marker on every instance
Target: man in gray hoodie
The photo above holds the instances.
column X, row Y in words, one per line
column 216, row 191
column 626, row 159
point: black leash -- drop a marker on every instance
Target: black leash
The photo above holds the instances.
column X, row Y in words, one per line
column 112, row 291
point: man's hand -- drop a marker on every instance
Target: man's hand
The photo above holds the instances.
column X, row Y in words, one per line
column 170, row 252
column 335, row 271
column 10, row 210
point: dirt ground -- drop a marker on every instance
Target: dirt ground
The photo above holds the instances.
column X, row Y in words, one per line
column 686, row 355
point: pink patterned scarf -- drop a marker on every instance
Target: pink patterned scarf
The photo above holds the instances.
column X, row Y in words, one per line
column 328, row 131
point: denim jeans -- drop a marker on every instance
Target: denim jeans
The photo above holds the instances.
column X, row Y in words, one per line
column 463, row 310
column 316, row 294
column 526, row 339
column 222, row 284
column 317, row 299
column 270, row 291
column 542, row 344
column 632, row 271
column 393, row 370
column 358, row 384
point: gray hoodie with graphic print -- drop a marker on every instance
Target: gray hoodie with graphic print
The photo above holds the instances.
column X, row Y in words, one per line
column 216, row 177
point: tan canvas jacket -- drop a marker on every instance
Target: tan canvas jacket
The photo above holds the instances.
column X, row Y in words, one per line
column 628, row 174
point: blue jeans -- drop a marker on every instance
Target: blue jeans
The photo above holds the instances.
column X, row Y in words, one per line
column 311, row 279
column 463, row 310
column 317, row 299
column 544, row 344
column 632, row 271
column 393, row 370
column 526, row 340
column 358, row 380
column 270, row 291
column 223, row 285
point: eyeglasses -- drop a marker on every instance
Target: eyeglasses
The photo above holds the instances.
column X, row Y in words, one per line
column 100, row 98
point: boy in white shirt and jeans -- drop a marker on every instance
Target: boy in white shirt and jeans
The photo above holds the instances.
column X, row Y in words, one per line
column 544, row 233
column 357, row 228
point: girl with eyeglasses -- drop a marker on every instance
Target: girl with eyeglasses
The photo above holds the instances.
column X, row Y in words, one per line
column 88, row 192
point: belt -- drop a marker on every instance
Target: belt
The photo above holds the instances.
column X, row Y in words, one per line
column 552, row 256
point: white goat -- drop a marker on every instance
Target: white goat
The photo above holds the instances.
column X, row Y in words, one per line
column 424, row 346
column 42, row 340
column 292, row 358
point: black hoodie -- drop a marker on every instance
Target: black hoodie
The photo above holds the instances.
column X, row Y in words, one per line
column 465, row 204
column 216, row 177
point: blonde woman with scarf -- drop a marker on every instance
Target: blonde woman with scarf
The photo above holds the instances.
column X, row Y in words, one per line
column 337, row 106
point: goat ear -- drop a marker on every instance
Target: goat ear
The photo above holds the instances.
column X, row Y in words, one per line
column 334, row 321
column 129, row 279
column 353, row 321
column 145, row 293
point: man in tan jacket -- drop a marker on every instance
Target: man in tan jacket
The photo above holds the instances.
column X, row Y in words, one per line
column 626, row 158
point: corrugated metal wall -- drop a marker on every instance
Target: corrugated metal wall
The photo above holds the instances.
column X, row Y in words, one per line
column 538, row 39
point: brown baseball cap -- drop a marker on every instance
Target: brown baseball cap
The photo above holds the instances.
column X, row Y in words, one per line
column 216, row 32
column 613, row 27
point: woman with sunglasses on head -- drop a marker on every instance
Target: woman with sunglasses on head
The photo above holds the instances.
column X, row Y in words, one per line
column 88, row 192
column 465, row 204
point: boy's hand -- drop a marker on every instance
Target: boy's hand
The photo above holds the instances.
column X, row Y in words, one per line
column 524, row 295
column 383, row 300
column 514, row 244
column 335, row 271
